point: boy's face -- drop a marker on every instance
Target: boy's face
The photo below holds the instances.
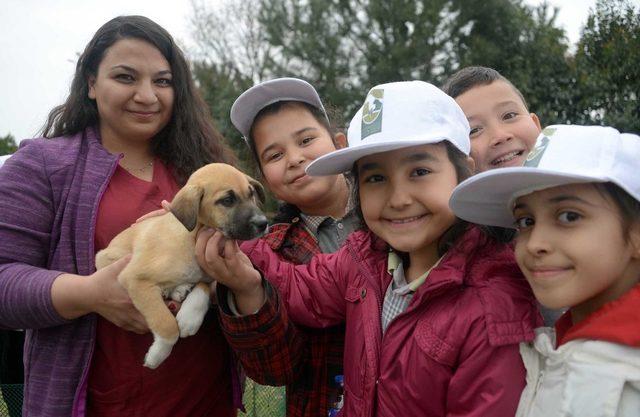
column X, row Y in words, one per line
column 502, row 130
column 286, row 142
column 404, row 196
column 572, row 248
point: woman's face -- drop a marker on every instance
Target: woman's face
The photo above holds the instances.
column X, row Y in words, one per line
column 133, row 91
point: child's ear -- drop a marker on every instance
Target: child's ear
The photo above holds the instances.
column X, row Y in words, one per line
column 340, row 140
column 536, row 120
column 634, row 239
column 471, row 164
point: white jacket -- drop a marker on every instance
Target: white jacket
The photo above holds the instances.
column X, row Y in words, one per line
column 582, row 378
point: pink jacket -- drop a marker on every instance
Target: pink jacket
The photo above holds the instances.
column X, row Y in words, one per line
column 453, row 352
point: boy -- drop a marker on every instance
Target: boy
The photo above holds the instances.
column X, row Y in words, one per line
column 503, row 131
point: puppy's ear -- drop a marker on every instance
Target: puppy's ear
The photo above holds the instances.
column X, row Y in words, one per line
column 186, row 204
column 258, row 188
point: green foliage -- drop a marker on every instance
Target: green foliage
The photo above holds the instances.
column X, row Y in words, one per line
column 344, row 47
column 8, row 144
column 607, row 67
column 523, row 44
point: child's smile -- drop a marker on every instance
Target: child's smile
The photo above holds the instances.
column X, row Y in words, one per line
column 404, row 196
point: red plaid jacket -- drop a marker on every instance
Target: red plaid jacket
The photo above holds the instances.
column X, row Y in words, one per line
column 274, row 351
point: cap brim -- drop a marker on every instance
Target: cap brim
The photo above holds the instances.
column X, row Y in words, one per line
column 248, row 104
column 342, row 160
column 486, row 197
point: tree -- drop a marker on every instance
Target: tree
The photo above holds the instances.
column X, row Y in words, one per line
column 344, row 47
column 607, row 68
column 8, row 144
column 524, row 44
column 229, row 57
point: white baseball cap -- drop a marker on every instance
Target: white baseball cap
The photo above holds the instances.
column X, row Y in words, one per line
column 249, row 103
column 394, row 116
column 563, row 155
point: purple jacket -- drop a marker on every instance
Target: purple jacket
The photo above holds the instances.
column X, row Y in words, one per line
column 49, row 195
column 453, row 352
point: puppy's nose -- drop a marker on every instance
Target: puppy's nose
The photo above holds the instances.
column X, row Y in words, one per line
column 260, row 222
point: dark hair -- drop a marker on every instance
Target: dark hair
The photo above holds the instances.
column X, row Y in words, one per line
column 286, row 212
column 188, row 141
column 470, row 77
column 628, row 206
column 448, row 239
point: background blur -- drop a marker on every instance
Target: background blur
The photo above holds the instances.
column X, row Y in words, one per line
column 343, row 47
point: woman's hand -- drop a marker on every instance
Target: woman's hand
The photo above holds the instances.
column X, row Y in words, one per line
column 223, row 260
column 75, row 295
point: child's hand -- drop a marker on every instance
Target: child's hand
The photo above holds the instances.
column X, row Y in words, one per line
column 223, row 260
column 166, row 207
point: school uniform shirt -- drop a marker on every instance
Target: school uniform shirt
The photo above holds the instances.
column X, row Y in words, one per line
column 453, row 351
column 274, row 351
column 595, row 369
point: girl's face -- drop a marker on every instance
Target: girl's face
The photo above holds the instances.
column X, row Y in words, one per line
column 286, row 142
column 133, row 91
column 404, row 196
column 572, row 248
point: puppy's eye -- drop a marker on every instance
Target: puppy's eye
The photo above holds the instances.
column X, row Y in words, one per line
column 227, row 201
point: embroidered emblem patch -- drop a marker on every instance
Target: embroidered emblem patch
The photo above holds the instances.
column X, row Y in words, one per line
column 534, row 157
column 372, row 113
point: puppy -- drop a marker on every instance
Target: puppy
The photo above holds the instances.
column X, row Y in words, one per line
column 163, row 251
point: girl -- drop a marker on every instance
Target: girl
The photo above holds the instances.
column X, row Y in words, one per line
column 434, row 309
column 131, row 131
column 576, row 205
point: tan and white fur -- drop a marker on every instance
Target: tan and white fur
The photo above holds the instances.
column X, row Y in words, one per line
column 163, row 261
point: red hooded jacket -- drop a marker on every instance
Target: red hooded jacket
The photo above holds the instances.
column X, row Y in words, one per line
column 453, row 352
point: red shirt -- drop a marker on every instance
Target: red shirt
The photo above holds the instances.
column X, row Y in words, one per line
column 195, row 380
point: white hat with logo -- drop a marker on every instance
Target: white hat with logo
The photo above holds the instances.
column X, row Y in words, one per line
column 249, row 103
column 394, row 116
column 563, row 154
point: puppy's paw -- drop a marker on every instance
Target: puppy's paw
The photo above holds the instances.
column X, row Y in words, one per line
column 192, row 312
column 158, row 352
column 180, row 292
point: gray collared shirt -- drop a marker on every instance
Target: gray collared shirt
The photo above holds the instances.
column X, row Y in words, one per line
column 331, row 233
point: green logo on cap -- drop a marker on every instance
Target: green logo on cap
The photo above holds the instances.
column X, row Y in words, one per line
column 372, row 113
column 533, row 159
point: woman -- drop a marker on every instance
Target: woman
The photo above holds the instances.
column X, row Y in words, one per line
column 131, row 131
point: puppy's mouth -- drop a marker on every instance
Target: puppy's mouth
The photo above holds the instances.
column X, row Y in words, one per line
column 252, row 229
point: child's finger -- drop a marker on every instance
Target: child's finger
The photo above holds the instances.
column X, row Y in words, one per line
column 202, row 241
column 154, row 213
column 166, row 205
column 213, row 251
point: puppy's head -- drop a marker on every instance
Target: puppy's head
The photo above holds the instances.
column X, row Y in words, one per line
column 221, row 197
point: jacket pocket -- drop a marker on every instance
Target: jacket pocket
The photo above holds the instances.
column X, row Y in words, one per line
column 354, row 348
column 433, row 346
column 353, row 404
